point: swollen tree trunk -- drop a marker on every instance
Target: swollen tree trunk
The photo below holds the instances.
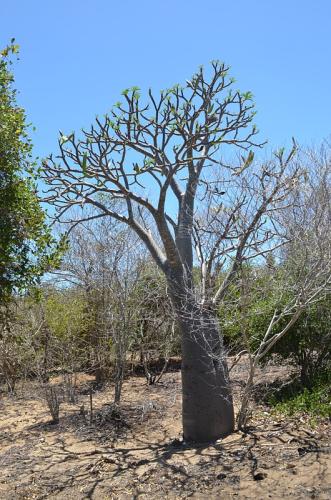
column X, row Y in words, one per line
column 207, row 402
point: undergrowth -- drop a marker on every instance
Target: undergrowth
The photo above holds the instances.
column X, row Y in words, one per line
column 294, row 398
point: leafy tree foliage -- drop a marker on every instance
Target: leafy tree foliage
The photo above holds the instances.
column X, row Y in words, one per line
column 308, row 343
column 24, row 237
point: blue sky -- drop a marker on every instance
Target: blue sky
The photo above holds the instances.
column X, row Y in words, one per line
column 77, row 56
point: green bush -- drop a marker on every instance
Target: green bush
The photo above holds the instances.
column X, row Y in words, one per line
column 249, row 306
column 308, row 343
column 246, row 315
column 295, row 399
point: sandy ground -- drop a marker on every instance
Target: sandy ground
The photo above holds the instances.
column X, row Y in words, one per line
column 138, row 454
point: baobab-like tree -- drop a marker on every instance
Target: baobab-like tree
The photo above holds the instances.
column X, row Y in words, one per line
column 157, row 158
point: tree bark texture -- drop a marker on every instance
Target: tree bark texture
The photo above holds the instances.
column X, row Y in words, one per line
column 207, row 411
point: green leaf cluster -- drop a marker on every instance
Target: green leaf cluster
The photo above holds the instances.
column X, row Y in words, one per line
column 296, row 399
column 25, row 240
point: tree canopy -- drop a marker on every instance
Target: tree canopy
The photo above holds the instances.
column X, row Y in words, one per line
column 25, row 239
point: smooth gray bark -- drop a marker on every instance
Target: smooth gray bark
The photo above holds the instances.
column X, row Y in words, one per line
column 207, row 411
column 207, row 402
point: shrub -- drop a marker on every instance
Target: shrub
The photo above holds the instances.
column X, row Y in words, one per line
column 295, row 398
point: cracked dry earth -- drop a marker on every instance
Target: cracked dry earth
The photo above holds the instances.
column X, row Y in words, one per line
column 138, row 454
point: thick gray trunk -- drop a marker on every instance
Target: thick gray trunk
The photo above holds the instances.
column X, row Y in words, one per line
column 207, row 402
